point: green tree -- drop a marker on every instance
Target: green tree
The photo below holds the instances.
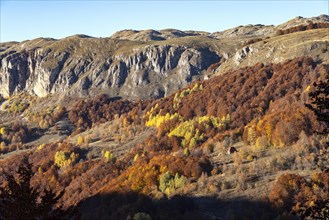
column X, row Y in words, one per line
column 142, row 216
column 164, row 181
column 169, row 183
column 19, row 200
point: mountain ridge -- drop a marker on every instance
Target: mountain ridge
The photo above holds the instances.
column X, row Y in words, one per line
column 139, row 64
column 191, row 127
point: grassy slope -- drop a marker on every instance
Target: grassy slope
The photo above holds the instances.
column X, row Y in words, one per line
column 276, row 49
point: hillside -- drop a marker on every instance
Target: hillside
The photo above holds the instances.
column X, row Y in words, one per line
column 168, row 124
column 80, row 65
column 142, row 64
column 313, row 43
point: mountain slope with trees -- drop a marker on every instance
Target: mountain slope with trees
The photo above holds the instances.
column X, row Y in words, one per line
column 248, row 142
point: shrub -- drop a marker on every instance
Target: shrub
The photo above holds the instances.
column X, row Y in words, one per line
column 109, row 157
column 142, row 216
column 41, row 146
column 168, row 184
column 186, row 152
column 3, row 146
column 136, row 157
column 80, row 140
column 64, row 158
column 3, row 130
column 260, row 145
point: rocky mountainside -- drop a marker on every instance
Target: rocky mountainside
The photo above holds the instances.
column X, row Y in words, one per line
column 313, row 43
column 250, row 141
column 301, row 20
column 85, row 65
column 149, row 63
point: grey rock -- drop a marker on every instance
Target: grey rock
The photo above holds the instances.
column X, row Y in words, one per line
column 148, row 71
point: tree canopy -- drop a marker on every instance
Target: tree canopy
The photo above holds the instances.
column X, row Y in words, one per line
column 19, row 200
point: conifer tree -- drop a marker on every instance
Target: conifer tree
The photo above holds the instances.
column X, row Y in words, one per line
column 320, row 102
column 19, row 200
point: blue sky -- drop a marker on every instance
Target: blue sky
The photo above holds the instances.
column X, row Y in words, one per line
column 22, row 20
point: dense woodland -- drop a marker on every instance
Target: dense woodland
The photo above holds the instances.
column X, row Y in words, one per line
column 102, row 108
column 264, row 107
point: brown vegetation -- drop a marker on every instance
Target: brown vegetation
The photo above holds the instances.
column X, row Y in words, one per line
column 294, row 193
column 13, row 136
column 102, row 108
column 259, row 109
column 254, row 95
column 298, row 28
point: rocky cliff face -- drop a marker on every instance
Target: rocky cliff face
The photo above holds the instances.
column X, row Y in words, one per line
column 149, row 63
column 142, row 72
